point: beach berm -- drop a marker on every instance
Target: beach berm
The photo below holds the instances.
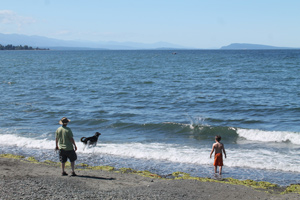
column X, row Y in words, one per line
column 26, row 178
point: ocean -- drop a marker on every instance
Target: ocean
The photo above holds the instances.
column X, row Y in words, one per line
column 157, row 110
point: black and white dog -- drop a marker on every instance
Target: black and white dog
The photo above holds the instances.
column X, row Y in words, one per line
column 91, row 141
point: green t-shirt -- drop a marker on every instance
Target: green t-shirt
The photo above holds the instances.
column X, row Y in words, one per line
column 64, row 135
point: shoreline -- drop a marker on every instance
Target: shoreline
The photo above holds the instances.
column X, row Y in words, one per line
column 28, row 178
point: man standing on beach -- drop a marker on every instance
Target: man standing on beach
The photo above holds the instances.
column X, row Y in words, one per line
column 218, row 148
column 66, row 145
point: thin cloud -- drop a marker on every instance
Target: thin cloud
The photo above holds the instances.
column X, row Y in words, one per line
column 10, row 17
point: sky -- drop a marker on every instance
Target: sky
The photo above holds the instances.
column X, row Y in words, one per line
column 189, row 23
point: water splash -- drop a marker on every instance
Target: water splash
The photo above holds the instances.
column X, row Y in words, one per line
column 196, row 122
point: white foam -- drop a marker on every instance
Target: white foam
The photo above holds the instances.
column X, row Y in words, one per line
column 262, row 158
column 259, row 158
column 14, row 140
column 269, row 136
column 31, row 143
column 157, row 151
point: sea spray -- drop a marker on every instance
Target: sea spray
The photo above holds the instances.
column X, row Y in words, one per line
column 196, row 122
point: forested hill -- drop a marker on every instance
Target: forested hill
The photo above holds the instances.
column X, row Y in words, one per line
column 20, row 47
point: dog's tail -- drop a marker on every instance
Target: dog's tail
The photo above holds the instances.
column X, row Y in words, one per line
column 83, row 139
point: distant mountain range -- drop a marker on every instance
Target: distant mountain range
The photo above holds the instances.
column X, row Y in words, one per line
column 55, row 44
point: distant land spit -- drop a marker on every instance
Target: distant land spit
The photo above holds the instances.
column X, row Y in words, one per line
column 242, row 46
column 20, row 47
column 55, row 44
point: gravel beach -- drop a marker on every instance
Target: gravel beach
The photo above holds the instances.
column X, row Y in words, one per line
column 24, row 180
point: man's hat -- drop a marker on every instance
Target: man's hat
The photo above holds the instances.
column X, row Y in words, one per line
column 64, row 120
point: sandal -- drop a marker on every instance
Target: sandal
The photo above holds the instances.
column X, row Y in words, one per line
column 64, row 174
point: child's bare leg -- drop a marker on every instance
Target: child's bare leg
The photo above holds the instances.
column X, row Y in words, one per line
column 215, row 169
column 220, row 170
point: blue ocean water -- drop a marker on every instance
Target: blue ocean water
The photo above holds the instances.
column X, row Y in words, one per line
column 158, row 111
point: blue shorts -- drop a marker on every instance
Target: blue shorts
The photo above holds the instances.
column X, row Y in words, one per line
column 64, row 155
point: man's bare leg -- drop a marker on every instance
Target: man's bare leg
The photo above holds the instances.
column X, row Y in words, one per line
column 63, row 167
column 73, row 166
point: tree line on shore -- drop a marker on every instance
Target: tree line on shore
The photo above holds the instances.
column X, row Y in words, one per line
column 20, row 47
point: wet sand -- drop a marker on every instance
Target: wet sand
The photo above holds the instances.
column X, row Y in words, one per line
column 20, row 179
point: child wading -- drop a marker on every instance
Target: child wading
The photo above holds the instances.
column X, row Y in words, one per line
column 218, row 148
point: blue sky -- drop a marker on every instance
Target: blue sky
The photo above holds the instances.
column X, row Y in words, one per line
column 190, row 23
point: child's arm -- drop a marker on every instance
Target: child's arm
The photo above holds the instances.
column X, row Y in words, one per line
column 224, row 150
column 213, row 149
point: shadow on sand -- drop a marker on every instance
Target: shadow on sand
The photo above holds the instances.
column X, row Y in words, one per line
column 95, row 177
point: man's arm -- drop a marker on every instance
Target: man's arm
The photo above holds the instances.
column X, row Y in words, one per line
column 56, row 144
column 74, row 144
